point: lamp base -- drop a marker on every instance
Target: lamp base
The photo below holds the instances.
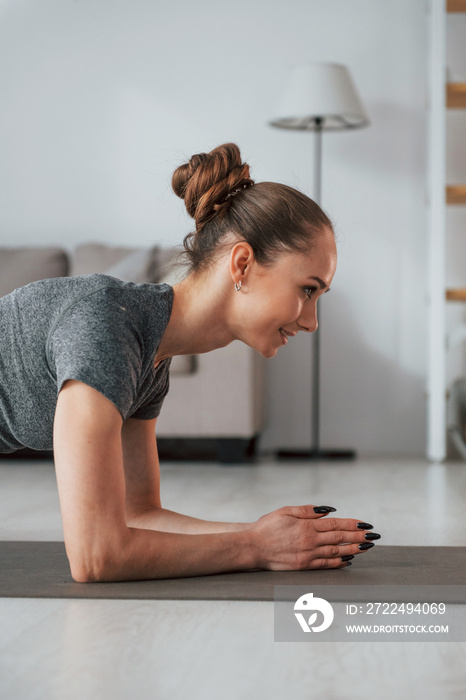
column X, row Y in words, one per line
column 318, row 454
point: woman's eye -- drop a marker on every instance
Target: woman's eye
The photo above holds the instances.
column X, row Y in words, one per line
column 310, row 291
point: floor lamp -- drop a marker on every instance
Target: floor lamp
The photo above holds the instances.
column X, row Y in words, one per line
column 319, row 97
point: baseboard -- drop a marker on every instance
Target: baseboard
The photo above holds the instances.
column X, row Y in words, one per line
column 26, row 453
column 225, row 450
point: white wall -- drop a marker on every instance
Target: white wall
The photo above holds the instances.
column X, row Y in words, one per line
column 100, row 100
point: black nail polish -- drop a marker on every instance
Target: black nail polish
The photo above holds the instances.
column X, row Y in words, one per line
column 349, row 563
column 347, row 557
column 324, row 509
column 372, row 536
column 364, row 526
column 366, row 545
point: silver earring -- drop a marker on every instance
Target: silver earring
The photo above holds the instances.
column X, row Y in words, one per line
column 238, row 286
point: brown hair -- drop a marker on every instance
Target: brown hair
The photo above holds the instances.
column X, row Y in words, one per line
column 271, row 217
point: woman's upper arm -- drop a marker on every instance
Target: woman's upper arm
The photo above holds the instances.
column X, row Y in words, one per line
column 90, row 475
column 141, row 464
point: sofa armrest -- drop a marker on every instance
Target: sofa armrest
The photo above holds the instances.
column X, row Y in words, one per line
column 22, row 265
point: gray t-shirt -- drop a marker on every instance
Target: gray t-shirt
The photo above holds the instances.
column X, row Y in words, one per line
column 94, row 328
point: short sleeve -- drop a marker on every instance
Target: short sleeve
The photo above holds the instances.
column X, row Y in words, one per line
column 96, row 342
column 151, row 407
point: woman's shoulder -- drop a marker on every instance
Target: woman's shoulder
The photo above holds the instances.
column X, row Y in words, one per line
column 101, row 281
column 77, row 287
column 99, row 299
column 57, row 287
column 104, row 290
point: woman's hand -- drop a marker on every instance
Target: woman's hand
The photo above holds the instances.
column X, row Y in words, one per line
column 296, row 537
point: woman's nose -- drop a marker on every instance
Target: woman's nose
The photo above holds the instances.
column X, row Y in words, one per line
column 308, row 319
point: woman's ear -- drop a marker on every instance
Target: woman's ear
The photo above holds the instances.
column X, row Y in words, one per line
column 241, row 259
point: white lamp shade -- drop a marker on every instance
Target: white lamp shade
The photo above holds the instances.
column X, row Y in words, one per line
column 323, row 91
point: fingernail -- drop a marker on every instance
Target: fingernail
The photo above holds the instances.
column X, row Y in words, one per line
column 366, row 545
column 372, row 536
column 324, row 509
column 350, row 563
column 347, row 557
column 364, row 526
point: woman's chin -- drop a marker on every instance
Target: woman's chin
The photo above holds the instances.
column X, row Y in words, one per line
column 267, row 352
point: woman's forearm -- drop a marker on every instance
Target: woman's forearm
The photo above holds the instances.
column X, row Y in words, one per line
column 146, row 554
column 169, row 521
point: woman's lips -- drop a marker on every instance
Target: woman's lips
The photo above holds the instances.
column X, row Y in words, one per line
column 285, row 335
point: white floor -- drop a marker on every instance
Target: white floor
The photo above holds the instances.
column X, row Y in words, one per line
column 95, row 650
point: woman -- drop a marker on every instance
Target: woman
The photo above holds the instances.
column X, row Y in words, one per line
column 84, row 367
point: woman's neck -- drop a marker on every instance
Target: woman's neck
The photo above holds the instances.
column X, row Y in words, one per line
column 198, row 321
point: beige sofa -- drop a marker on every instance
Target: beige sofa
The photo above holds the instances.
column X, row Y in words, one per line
column 215, row 406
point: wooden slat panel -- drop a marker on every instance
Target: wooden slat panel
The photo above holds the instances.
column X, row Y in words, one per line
column 456, row 5
column 456, row 194
column 456, row 294
column 456, row 95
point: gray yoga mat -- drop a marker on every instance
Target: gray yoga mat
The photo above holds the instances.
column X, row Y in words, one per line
column 41, row 570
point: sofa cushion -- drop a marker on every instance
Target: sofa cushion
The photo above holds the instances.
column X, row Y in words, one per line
column 128, row 264
column 20, row 266
column 140, row 266
column 99, row 257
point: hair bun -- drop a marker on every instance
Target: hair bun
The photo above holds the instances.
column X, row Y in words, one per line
column 209, row 180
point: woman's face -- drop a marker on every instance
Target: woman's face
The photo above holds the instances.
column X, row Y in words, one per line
column 277, row 302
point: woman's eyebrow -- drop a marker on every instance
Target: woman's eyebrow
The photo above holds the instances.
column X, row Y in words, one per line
column 321, row 283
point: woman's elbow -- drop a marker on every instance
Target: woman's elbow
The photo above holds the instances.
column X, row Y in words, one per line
column 82, row 575
column 85, row 572
column 91, row 565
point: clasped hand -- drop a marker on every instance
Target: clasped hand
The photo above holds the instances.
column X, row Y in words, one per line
column 301, row 537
